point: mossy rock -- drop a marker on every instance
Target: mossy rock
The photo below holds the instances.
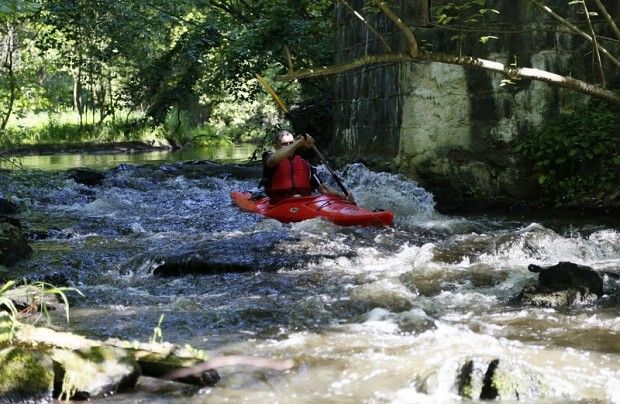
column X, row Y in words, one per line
column 486, row 378
column 533, row 296
column 93, row 372
column 389, row 294
column 25, row 376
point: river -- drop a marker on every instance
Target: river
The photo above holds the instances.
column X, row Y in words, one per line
column 367, row 314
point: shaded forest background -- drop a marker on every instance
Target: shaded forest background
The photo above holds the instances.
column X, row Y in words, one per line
column 183, row 74
column 76, row 70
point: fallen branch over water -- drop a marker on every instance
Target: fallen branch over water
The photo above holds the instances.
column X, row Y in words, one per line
column 160, row 360
column 232, row 360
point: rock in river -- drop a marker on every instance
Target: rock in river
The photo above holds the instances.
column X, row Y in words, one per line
column 13, row 244
column 7, row 207
column 564, row 284
column 86, row 176
column 266, row 251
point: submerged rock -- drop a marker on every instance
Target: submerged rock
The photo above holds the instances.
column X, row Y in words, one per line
column 489, row 379
column 531, row 295
column 564, row 284
column 93, row 372
column 25, row 376
column 13, row 244
column 432, row 281
column 265, row 251
column 391, row 295
column 7, row 207
column 86, row 176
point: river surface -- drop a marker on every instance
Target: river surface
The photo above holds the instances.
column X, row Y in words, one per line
column 367, row 314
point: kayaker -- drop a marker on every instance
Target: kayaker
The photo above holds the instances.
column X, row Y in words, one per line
column 286, row 174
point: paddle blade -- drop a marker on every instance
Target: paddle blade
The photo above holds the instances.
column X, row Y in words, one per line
column 271, row 92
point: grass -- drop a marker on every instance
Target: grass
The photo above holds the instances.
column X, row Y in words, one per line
column 62, row 128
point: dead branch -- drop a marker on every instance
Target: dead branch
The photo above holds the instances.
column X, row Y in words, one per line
column 231, row 360
column 597, row 55
column 608, row 17
column 367, row 24
column 468, row 61
column 574, row 29
column 409, row 36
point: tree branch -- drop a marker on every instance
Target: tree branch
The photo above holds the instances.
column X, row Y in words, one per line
column 608, row 17
column 367, row 24
column 597, row 55
column 409, row 36
column 576, row 30
column 362, row 61
column 468, row 61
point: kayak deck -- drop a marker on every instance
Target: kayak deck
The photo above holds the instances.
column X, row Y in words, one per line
column 329, row 207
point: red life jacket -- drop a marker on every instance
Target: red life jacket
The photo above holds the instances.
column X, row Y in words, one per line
column 290, row 176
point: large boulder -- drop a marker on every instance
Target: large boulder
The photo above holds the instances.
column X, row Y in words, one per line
column 94, row 372
column 13, row 244
column 567, row 275
column 25, row 376
column 488, row 378
column 86, row 176
column 564, row 284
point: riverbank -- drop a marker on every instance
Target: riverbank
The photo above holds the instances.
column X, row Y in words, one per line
column 133, row 146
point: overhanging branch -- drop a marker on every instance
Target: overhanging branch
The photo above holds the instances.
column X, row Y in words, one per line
column 576, row 30
column 468, row 61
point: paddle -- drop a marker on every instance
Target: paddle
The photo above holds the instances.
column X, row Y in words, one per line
column 282, row 106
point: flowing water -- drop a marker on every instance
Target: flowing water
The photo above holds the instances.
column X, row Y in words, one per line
column 367, row 314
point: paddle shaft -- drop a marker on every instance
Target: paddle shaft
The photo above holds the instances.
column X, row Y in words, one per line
column 336, row 178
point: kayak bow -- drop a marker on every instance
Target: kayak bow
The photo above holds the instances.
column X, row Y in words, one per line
column 329, row 207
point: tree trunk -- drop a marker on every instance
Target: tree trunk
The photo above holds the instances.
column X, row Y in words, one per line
column 9, row 64
column 112, row 107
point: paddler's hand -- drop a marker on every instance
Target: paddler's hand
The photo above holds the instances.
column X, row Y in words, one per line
column 306, row 141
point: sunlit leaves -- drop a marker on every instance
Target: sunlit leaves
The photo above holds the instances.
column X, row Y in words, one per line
column 485, row 39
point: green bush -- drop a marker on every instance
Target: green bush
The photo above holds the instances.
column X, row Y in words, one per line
column 576, row 157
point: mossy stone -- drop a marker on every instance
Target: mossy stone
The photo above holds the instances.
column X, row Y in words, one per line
column 25, row 375
column 93, row 372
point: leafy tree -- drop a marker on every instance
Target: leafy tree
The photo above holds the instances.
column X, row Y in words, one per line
column 576, row 157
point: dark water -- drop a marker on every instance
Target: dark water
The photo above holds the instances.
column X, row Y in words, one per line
column 367, row 314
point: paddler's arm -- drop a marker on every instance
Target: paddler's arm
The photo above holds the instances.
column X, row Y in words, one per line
column 288, row 151
column 327, row 190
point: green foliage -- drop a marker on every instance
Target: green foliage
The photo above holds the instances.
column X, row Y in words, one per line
column 158, row 335
column 12, row 8
column 465, row 13
column 35, row 293
column 100, row 58
column 577, row 156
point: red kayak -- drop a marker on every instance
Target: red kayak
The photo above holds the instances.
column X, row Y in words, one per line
column 328, row 207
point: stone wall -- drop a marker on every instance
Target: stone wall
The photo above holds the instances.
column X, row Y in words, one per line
column 448, row 126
